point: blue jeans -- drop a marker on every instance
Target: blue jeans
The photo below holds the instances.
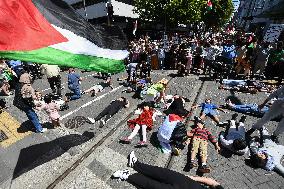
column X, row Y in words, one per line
column 76, row 94
column 250, row 108
column 234, row 83
column 33, row 118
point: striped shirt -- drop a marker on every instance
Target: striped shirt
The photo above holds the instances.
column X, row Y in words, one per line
column 204, row 134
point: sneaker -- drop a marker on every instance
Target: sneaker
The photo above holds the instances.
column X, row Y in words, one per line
column 192, row 164
column 43, row 130
column 234, row 116
column 102, row 123
column 93, row 94
column 141, row 144
column 176, row 151
column 243, row 119
column 121, row 174
column 125, row 141
column 204, row 169
column 91, row 120
column 131, row 159
column 82, row 93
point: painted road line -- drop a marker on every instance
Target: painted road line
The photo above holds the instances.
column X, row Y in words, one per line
column 10, row 126
column 89, row 103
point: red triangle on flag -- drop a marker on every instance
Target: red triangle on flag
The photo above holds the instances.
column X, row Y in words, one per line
column 24, row 28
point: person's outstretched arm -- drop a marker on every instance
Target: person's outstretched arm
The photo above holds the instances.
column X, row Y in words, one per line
column 205, row 180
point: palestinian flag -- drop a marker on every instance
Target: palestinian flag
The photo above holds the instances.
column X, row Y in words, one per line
column 209, row 5
column 50, row 32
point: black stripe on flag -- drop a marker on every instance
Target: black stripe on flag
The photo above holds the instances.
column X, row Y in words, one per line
column 61, row 14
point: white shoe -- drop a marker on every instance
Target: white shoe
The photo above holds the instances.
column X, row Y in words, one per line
column 131, row 159
column 43, row 130
column 102, row 123
column 91, row 120
column 121, row 174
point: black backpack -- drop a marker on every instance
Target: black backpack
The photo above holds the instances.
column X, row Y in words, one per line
column 179, row 135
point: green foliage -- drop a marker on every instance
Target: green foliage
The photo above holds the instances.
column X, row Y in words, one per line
column 183, row 11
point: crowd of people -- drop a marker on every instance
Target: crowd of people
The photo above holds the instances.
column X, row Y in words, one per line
column 240, row 62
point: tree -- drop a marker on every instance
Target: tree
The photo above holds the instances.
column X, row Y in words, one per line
column 220, row 14
column 174, row 12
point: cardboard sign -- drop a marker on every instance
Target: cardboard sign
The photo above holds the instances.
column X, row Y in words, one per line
column 273, row 32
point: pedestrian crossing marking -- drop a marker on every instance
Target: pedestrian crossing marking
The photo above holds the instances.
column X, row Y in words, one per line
column 9, row 125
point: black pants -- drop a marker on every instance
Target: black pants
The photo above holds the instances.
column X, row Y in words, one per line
column 152, row 177
column 108, row 112
column 55, row 81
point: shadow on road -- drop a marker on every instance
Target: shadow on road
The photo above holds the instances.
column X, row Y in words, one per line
column 33, row 156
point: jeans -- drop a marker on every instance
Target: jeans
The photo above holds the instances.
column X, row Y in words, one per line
column 33, row 118
column 234, row 83
column 76, row 94
column 250, row 108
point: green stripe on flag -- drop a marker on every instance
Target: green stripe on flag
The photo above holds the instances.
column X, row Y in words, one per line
column 50, row 55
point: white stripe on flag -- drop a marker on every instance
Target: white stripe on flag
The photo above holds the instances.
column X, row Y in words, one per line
column 80, row 45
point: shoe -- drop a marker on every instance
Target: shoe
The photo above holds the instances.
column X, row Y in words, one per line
column 204, row 169
column 82, row 93
column 121, row 174
column 141, row 144
column 125, row 141
column 192, row 164
column 176, row 151
column 275, row 139
column 43, row 130
column 131, row 159
column 102, row 123
column 91, row 120
column 234, row 116
column 243, row 119
column 93, row 94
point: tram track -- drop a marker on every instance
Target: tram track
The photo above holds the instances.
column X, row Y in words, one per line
column 90, row 151
column 172, row 157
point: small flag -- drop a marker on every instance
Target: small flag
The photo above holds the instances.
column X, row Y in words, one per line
column 135, row 28
column 209, row 5
column 51, row 32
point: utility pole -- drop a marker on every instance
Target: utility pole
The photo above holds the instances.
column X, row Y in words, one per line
column 85, row 9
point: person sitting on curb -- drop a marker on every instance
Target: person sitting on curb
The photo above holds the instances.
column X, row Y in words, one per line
column 153, row 177
column 99, row 87
column 114, row 107
column 209, row 109
column 234, row 137
column 199, row 141
column 269, row 155
column 143, row 122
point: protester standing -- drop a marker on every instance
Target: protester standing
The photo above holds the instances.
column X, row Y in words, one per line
column 52, row 73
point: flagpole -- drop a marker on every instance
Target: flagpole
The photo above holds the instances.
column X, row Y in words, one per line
column 85, row 9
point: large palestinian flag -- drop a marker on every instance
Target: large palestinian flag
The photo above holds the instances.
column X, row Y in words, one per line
column 49, row 31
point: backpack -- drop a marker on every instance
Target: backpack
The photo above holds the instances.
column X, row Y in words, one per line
column 179, row 135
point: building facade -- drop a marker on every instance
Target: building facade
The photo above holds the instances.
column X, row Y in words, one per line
column 96, row 11
column 253, row 14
